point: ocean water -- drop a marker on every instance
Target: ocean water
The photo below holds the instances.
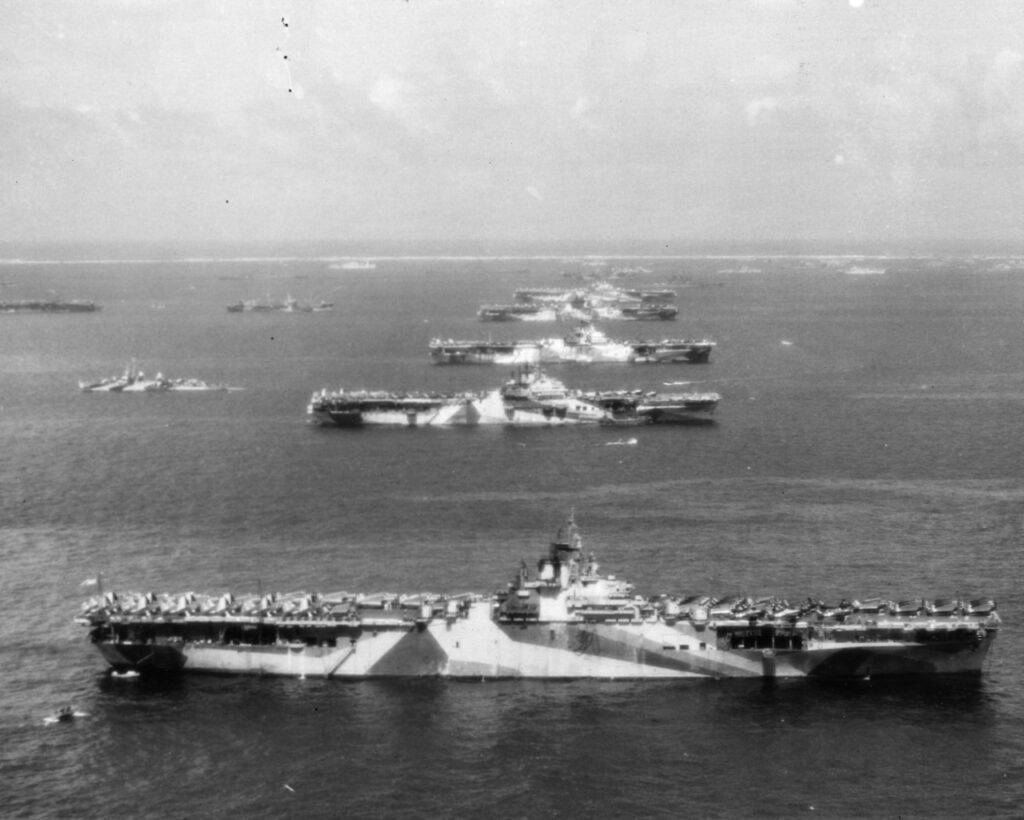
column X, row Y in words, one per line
column 868, row 443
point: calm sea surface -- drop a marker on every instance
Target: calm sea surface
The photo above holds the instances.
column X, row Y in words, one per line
column 868, row 443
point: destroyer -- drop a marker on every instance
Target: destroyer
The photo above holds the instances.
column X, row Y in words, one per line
column 530, row 397
column 586, row 344
column 566, row 620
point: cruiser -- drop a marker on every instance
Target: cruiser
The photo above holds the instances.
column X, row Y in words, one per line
column 529, row 398
column 566, row 620
column 584, row 345
column 134, row 380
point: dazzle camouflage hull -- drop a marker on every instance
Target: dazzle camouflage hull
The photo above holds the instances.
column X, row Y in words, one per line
column 530, row 398
column 584, row 346
column 565, row 621
column 476, row 646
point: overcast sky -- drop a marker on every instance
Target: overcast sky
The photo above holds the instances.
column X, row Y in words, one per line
column 345, row 119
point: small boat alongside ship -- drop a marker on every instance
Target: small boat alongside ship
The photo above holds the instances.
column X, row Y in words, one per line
column 584, row 345
column 529, row 398
column 133, row 380
column 66, row 714
column 566, row 620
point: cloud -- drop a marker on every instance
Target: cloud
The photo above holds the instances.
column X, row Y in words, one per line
column 758, row 111
column 408, row 104
column 389, row 94
column 1003, row 85
column 582, row 114
column 1002, row 127
column 772, row 114
column 1005, row 70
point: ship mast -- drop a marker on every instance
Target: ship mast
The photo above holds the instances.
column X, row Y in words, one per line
column 565, row 552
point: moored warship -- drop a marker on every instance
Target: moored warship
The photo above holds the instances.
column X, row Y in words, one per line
column 566, row 620
column 584, row 345
column 598, row 301
column 133, row 380
column 530, row 397
column 553, row 311
column 289, row 305
column 517, row 313
column 49, row 306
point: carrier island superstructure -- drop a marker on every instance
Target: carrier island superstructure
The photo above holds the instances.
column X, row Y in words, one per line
column 565, row 620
